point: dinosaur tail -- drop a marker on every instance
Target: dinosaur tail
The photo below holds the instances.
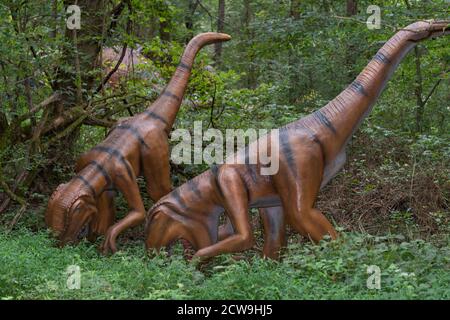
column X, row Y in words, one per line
column 167, row 105
column 338, row 120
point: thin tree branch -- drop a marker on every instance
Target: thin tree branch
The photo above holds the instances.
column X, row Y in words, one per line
column 111, row 73
column 431, row 92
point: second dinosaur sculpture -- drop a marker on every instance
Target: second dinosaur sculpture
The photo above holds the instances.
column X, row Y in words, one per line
column 134, row 146
column 312, row 151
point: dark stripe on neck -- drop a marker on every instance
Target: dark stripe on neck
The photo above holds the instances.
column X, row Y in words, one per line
column 358, row 87
column 116, row 154
column 153, row 115
column 192, row 44
column 183, row 65
column 382, row 58
column 134, row 132
column 103, row 172
column 324, row 120
column 87, row 185
column 171, row 95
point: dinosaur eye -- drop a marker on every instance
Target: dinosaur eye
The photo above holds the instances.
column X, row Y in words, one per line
column 77, row 209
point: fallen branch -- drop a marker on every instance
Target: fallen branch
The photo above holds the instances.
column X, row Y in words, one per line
column 68, row 130
column 11, row 195
column 53, row 98
column 16, row 218
column 93, row 121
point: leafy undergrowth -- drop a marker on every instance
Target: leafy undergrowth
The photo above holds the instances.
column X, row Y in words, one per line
column 391, row 184
column 31, row 267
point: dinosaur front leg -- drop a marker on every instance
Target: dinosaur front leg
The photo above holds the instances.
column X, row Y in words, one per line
column 274, row 231
column 235, row 199
column 105, row 215
column 130, row 190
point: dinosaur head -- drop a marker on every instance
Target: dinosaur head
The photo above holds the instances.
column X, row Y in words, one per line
column 69, row 211
column 165, row 226
column 425, row 29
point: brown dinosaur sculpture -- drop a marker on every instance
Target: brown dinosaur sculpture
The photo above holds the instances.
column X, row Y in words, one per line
column 311, row 152
column 134, row 146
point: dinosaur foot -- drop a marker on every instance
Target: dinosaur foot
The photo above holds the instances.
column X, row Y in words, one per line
column 109, row 244
column 188, row 249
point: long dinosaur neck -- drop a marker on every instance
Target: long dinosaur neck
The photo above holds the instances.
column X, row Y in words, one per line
column 351, row 106
column 336, row 121
column 167, row 105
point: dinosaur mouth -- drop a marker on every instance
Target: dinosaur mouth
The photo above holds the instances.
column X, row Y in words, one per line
column 188, row 248
column 84, row 231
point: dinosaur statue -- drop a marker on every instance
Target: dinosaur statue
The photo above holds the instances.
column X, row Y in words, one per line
column 136, row 145
column 311, row 152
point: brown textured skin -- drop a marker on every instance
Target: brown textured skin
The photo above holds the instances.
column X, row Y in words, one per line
column 137, row 145
column 312, row 151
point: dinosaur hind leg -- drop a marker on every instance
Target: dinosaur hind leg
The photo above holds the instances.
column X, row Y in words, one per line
column 156, row 167
column 298, row 191
column 274, row 231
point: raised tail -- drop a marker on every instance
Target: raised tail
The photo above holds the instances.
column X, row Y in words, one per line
column 168, row 103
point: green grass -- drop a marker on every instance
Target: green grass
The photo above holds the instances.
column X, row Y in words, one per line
column 31, row 267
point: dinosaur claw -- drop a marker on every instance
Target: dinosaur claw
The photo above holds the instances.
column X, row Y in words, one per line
column 109, row 244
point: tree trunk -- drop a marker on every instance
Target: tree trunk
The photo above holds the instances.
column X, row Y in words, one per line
column 352, row 8
column 189, row 19
column 350, row 54
column 220, row 28
column 76, row 81
column 418, row 91
column 418, row 86
column 251, row 79
column 295, row 9
column 83, row 53
column 164, row 34
column 293, row 59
